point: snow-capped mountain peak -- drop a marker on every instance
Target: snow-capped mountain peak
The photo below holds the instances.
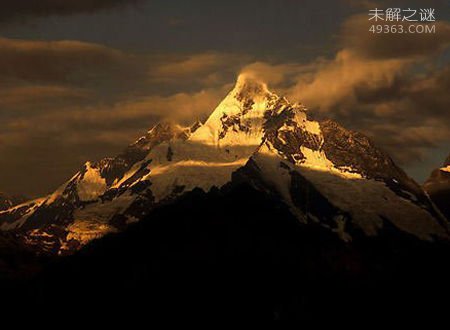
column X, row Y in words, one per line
column 239, row 117
column 324, row 173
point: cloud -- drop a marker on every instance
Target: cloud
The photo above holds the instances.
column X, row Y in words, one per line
column 355, row 36
column 181, row 107
column 209, row 69
column 389, row 86
column 137, row 114
column 65, row 69
column 19, row 9
column 54, row 142
column 405, row 112
column 338, row 84
column 65, row 102
column 68, row 62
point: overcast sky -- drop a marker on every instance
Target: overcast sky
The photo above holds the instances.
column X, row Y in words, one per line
column 81, row 79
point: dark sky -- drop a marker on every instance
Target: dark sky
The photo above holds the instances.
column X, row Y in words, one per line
column 81, row 79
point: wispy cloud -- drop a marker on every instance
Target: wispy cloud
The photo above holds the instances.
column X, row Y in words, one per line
column 386, row 85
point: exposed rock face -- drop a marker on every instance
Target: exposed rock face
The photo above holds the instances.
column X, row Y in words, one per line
column 324, row 173
column 51, row 224
column 346, row 148
column 115, row 168
column 438, row 187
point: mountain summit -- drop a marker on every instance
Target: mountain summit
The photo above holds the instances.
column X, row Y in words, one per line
column 323, row 173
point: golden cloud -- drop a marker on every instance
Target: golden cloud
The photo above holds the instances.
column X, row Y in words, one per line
column 59, row 61
column 388, row 86
column 355, row 36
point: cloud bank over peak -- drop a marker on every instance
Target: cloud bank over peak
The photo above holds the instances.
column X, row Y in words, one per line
column 63, row 102
column 387, row 85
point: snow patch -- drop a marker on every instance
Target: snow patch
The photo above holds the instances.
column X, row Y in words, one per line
column 192, row 166
column 275, row 175
column 30, row 207
column 86, row 231
column 445, row 169
column 250, row 116
column 104, row 211
column 370, row 202
column 92, row 185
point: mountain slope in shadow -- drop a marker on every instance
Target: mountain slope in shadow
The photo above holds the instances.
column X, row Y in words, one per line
column 238, row 253
column 438, row 187
column 252, row 130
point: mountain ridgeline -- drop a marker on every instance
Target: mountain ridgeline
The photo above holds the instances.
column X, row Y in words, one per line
column 322, row 172
column 240, row 253
column 258, row 213
column 6, row 201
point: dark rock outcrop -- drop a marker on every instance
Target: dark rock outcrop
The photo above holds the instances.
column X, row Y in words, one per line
column 438, row 187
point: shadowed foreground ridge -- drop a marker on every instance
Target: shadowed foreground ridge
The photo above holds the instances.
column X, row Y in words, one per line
column 238, row 253
column 258, row 213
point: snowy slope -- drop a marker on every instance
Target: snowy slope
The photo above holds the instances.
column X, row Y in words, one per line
column 80, row 209
column 323, row 172
column 360, row 203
